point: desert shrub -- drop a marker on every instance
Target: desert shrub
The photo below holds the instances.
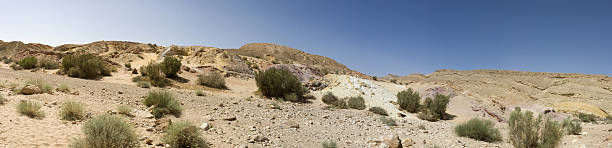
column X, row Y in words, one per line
column 72, row 110
column 356, row 102
column 139, row 78
column 213, row 79
column 184, row 135
column 329, row 144
column 155, row 75
column 587, row 117
column 378, row 110
column 44, row 87
column 28, row 62
column 48, row 64
column 479, row 129
column 434, row 110
column 63, row 88
column 329, row 98
column 7, row 61
column 2, row 99
column 30, row 109
column 529, row 132
column 409, row 100
column 124, row 109
column 164, row 103
column 171, row 66
column 571, row 127
column 106, row 131
column 388, row 121
column 278, row 83
column 143, row 84
column 199, row 93
column 393, row 80
column 86, row 66
column 293, row 98
column 427, row 115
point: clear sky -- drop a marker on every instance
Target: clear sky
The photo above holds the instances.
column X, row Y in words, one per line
column 373, row 37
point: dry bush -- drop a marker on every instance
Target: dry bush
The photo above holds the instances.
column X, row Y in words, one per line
column 72, row 110
column 30, row 109
column 378, row 110
column 63, row 88
column 48, row 64
column 2, row 99
column 388, row 121
column 213, row 80
column 329, row 144
column 572, row 127
column 479, row 129
column 164, row 103
column 106, row 131
column 124, row 109
column 356, row 102
column 143, row 84
column 200, row 93
column 184, row 135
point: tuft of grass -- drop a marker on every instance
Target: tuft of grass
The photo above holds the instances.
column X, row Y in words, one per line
column 184, row 135
column 329, row 144
column 388, row 121
column 48, row 64
column 164, row 103
column 409, row 100
column 28, row 62
column 479, row 129
column 571, row 127
column 72, row 110
column 378, row 110
column 587, row 117
column 106, row 131
column 200, row 93
column 63, row 88
column 527, row 131
column 356, row 102
column 143, row 84
column 213, row 80
column 124, row 109
column 30, row 109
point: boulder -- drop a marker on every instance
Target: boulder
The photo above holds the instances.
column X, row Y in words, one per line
column 30, row 90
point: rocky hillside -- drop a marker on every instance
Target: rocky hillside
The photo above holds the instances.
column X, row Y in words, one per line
column 586, row 93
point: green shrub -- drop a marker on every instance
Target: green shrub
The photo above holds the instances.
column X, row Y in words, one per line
column 587, row 117
column 529, row 132
column 388, row 121
column 409, row 100
column 63, row 88
column 155, row 75
column 30, row 109
column 48, row 64
column 143, row 84
column 184, row 135
column 213, row 79
column 72, row 110
column 164, row 103
column 434, row 110
column 44, row 87
column 7, row 61
column 378, row 110
column 393, row 80
column 572, row 127
column 2, row 99
column 479, row 129
column 124, row 109
column 86, row 66
column 200, row 93
column 356, row 102
column 106, row 131
column 329, row 98
column 139, row 78
column 329, row 144
column 28, row 62
column 278, row 83
column 172, row 66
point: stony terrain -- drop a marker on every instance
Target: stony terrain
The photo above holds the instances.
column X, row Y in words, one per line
column 239, row 117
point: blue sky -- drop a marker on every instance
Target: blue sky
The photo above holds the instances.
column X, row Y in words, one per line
column 373, row 37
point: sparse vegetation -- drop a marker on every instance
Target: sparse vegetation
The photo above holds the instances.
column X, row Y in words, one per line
column 63, row 88
column 213, row 80
column 356, row 102
column 143, row 84
column 44, row 87
column 30, row 109
column 2, row 99
column 587, row 117
column 329, row 144
column 409, row 100
column 48, row 64
column 393, row 80
column 184, row 135
column 171, row 66
column 279, row 83
column 479, row 129
column 72, row 110
column 529, row 132
column 28, row 62
column 571, row 127
column 164, row 103
column 388, row 121
column 154, row 73
column 106, row 131
column 434, row 109
column 378, row 110
column 124, row 109
column 200, row 93
column 7, row 61
column 86, row 66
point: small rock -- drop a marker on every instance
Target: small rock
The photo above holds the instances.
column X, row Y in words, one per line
column 260, row 138
column 141, row 113
column 292, row 124
column 409, row 142
column 30, row 90
column 205, row 126
column 392, row 141
column 230, row 118
column 120, row 92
